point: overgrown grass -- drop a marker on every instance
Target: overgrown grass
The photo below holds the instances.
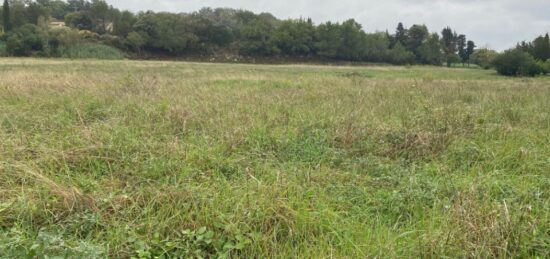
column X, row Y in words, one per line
column 91, row 51
column 149, row 159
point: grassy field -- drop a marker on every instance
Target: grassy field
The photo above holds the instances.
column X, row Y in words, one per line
column 136, row 159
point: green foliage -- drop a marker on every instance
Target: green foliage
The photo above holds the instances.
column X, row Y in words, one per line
column 91, row 51
column 79, row 20
column 135, row 41
column 200, row 243
column 223, row 32
column 328, row 40
column 3, row 51
column 461, row 47
column 484, row 57
column 15, row 244
column 166, row 32
column 400, row 55
column 341, row 41
column 449, row 46
column 546, row 65
column 401, row 35
column 541, row 48
column 429, row 51
column 376, row 47
column 295, row 37
column 6, row 16
column 470, row 49
column 25, row 41
column 451, row 59
column 57, row 8
column 124, row 24
column 255, row 35
column 417, row 35
column 35, row 11
column 63, row 38
column 517, row 63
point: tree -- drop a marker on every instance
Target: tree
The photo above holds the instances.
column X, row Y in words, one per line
column 401, row 34
column 36, row 10
column 541, row 48
column 6, row 18
column 353, row 41
column 18, row 13
column 517, row 63
column 461, row 45
column 99, row 13
column 295, row 37
column 256, row 36
column 79, row 20
column 430, row 51
column 448, row 43
column 25, row 40
column 484, row 57
column 57, row 8
column 327, row 39
column 399, row 55
column 135, row 41
column 417, row 34
column 470, row 48
column 344, row 41
column 165, row 32
column 376, row 47
column 124, row 24
column 79, row 5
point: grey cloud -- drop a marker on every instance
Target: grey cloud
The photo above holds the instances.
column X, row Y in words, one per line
column 498, row 24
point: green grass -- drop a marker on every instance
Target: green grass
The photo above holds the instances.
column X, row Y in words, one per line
column 128, row 159
column 91, row 51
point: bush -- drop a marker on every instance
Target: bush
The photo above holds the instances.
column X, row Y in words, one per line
column 517, row 63
column 401, row 56
column 25, row 41
column 92, row 51
column 484, row 57
column 451, row 59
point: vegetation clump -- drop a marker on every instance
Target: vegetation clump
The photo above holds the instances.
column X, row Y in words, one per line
column 518, row 63
column 91, row 51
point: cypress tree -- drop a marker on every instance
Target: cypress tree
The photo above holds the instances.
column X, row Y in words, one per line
column 470, row 49
column 6, row 16
column 461, row 45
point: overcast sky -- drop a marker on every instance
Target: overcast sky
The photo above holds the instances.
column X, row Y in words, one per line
column 498, row 24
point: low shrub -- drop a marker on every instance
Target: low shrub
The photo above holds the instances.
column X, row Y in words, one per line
column 517, row 63
column 484, row 58
column 91, row 51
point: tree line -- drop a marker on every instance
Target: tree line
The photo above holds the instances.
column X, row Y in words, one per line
column 218, row 32
column 97, row 29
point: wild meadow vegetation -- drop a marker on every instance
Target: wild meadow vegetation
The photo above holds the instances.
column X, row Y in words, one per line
column 128, row 159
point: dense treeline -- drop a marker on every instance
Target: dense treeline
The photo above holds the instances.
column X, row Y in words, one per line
column 216, row 33
column 82, row 28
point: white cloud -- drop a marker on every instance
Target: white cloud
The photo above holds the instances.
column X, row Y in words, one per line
column 499, row 24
